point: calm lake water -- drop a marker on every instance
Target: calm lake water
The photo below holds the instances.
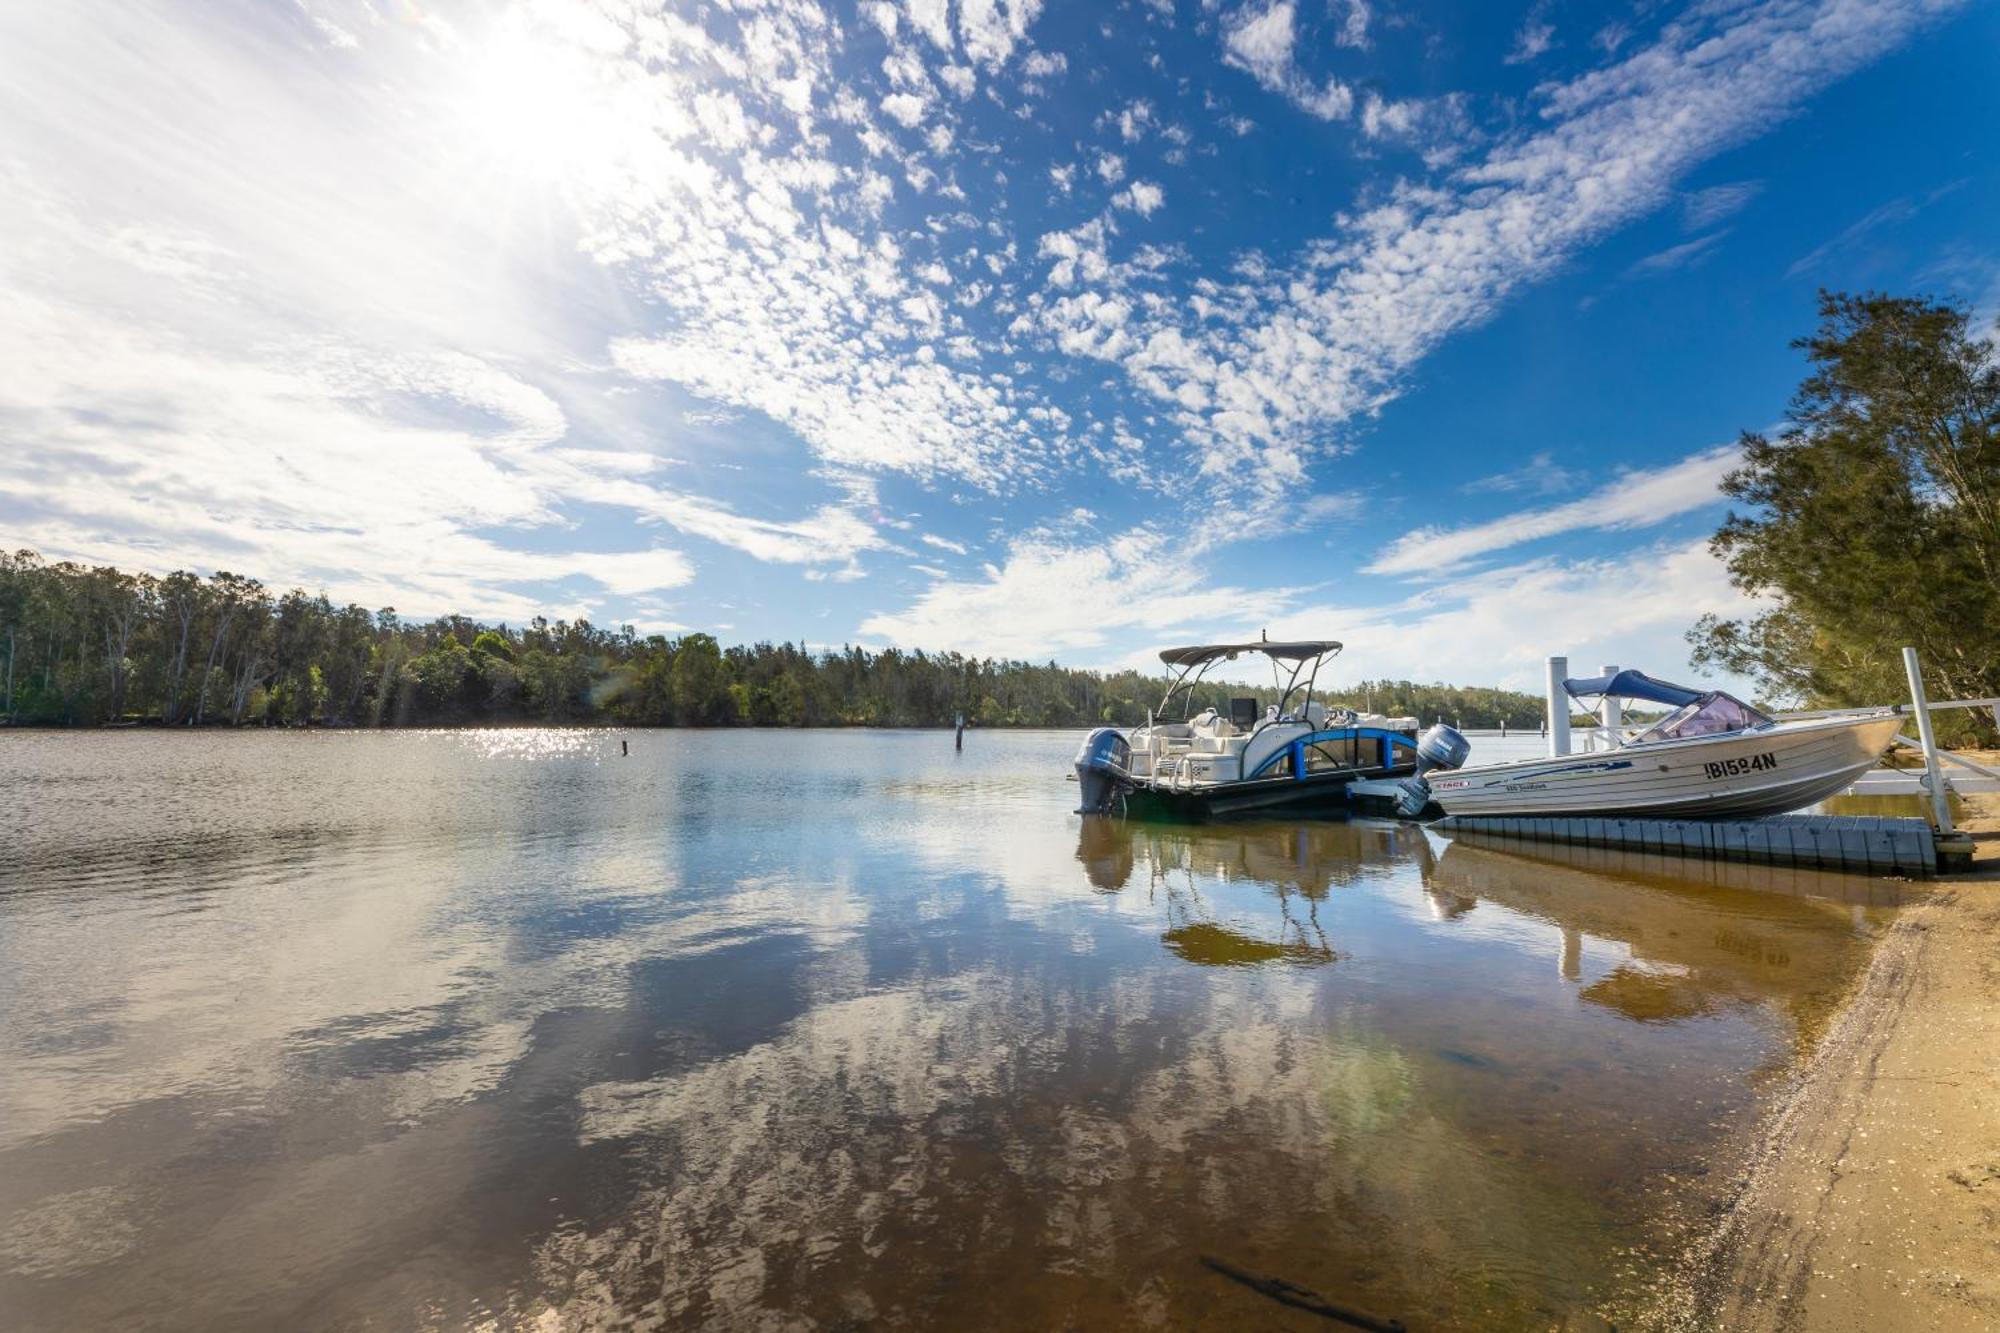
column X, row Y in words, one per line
column 840, row 1029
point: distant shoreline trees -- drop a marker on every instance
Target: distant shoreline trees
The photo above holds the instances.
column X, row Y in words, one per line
column 1873, row 519
column 83, row 646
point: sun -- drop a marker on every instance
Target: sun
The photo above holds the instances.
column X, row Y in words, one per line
column 538, row 106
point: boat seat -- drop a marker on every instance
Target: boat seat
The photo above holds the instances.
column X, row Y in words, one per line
column 1213, row 734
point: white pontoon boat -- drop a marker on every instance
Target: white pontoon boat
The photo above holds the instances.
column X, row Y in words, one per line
column 1291, row 754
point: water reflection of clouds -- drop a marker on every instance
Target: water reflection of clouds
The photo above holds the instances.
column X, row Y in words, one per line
column 392, row 993
column 1010, row 1135
column 841, row 1051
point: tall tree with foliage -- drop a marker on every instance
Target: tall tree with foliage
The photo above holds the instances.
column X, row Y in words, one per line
column 1873, row 519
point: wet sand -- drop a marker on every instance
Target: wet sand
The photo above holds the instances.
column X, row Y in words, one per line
column 1874, row 1200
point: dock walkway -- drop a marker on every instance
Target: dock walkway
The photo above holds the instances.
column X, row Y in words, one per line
column 1867, row 844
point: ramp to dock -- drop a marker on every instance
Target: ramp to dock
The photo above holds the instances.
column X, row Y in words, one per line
column 1862, row 844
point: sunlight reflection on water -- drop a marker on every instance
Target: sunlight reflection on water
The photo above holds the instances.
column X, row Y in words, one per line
column 744, row 1027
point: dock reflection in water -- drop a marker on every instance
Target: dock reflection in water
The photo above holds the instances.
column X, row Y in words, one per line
column 841, row 1029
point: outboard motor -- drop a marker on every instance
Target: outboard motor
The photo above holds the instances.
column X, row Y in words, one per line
column 1103, row 770
column 1440, row 747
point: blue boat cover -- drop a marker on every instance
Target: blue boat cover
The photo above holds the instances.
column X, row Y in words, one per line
column 1635, row 685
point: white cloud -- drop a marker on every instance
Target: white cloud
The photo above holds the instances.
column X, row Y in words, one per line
column 942, row 543
column 1704, row 208
column 1092, row 602
column 1354, row 27
column 1632, row 500
column 1498, row 626
column 931, row 18
column 1260, row 40
column 1540, row 475
column 1888, row 215
column 1532, row 41
column 1059, row 597
column 490, row 254
column 991, row 29
column 1044, row 64
column 1141, row 197
column 1685, row 255
column 906, row 109
column 1285, row 357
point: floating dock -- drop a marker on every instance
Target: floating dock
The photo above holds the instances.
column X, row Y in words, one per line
column 1862, row 844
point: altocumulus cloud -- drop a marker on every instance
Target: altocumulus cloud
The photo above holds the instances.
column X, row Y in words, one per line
column 388, row 304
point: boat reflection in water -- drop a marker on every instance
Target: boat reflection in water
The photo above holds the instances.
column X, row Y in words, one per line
column 842, row 1029
column 1295, row 865
column 1525, row 1056
column 1697, row 935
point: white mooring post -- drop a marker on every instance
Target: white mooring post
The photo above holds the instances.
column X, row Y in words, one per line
column 1933, row 770
column 1558, row 707
column 1610, row 711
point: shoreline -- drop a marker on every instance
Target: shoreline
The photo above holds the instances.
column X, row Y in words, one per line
column 1872, row 1198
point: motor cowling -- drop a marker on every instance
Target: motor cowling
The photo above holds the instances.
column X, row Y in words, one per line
column 1103, row 770
column 1442, row 747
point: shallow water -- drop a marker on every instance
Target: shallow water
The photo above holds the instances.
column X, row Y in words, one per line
column 838, row 1029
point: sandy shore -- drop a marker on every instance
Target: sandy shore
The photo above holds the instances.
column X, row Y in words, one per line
column 1874, row 1200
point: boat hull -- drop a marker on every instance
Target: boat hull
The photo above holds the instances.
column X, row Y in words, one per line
column 1738, row 776
column 1326, row 792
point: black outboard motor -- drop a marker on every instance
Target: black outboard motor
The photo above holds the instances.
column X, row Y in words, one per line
column 1103, row 770
column 1440, row 747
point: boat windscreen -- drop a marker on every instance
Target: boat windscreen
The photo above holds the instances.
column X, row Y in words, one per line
column 1713, row 714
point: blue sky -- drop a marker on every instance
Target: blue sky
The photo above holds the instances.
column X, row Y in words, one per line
column 1013, row 327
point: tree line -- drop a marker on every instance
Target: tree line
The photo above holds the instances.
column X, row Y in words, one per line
column 84, row 646
column 1872, row 520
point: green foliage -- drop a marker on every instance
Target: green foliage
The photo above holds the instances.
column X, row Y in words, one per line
column 80, row 646
column 493, row 644
column 1468, row 705
column 700, row 684
column 1873, row 519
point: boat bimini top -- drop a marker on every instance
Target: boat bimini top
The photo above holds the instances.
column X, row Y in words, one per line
column 1193, row 662
column 1695, row 712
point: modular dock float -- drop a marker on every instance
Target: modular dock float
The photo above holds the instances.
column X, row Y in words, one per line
column 1863, row 844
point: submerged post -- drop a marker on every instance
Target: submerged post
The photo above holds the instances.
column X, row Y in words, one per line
column 958, row 741
column 1610, row 711
column 1558, row 728
column 1933, row 770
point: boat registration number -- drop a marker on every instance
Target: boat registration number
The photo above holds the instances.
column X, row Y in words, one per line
column 1729, row 768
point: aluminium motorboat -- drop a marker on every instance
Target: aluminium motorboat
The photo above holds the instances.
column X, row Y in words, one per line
column 1292, row 754
column 1712, row 756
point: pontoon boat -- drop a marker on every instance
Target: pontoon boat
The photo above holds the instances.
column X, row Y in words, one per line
column 1294, row 753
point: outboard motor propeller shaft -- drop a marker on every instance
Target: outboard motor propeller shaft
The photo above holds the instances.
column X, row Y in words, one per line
column 1103, row 770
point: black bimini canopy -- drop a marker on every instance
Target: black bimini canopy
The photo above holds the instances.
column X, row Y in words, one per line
column 1634, row 685
column 1299, row 651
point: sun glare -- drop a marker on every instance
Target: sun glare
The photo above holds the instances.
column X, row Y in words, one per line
column 538, row 108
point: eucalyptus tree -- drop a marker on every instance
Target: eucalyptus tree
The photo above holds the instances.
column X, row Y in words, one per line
column 88, row 645
column 1872, row 520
